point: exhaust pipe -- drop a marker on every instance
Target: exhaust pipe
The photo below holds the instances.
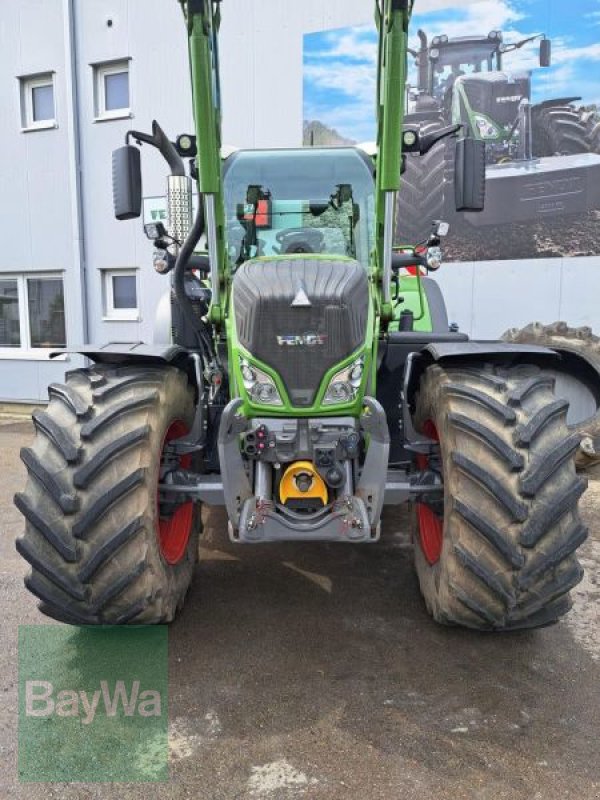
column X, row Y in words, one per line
column 525, row 131
column 179, row 208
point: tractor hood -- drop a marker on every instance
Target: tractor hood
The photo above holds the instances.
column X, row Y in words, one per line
column 301, row 317
column 495, row 94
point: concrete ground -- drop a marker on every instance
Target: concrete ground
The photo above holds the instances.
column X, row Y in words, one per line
column 315, row 672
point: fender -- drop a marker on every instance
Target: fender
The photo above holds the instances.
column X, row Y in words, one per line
column 557, row 101
column 439, row 351
column 583, row 380
column 130, row 353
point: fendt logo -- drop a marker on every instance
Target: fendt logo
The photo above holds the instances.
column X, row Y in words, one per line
column 302, row 340
column 513, row 98
column 553, row 188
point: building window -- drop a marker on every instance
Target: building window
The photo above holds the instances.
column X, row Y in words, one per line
column 37, row 102
column 32, row 313
column 10, row 325
column 120, row 294
column 46, row 307
column 111, row 90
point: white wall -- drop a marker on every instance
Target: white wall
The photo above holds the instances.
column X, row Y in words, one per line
column 261, row 54
column 488, row 297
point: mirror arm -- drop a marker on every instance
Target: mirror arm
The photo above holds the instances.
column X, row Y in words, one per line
column 160, row 140
column 430, row 139
column 403, row 260
column 512, row 46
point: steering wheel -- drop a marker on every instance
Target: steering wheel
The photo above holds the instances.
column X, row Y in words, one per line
column 299, row 240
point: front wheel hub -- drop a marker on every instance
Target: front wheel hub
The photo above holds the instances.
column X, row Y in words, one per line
column 430, row 525
column 174, row 524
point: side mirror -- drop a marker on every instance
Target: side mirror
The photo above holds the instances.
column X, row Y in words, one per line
column 317, row 209
column 344, row 193
column 440, row 228
column 127, row 182
column 469, row 175
column 545, row 52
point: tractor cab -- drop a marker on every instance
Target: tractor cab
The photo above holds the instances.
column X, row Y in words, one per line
column 446, row 59
column 452, row 59
column 294, row 202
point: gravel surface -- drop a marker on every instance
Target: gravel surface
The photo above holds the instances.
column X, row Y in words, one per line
column 314, row 671
column 556, row 238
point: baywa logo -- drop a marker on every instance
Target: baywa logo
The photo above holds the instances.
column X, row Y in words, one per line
column 93, row 704
column 41, row 701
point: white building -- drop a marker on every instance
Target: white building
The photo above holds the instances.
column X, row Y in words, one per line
column 75, row 75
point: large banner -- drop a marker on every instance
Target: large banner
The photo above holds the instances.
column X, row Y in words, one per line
column 523, row 76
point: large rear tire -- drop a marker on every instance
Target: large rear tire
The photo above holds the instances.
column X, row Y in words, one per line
column 498, row 552
column 101, row 549
column 559, row 130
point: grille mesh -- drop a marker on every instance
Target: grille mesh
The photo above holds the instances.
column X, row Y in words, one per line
column 263, row 293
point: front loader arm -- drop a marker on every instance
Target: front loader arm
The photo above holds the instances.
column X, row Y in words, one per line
column 203, row 19
column 392, row 18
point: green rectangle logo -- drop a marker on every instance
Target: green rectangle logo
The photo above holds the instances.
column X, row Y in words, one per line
column 93, row 703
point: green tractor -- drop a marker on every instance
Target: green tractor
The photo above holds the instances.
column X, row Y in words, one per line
column 541, row 159
column 303, row 381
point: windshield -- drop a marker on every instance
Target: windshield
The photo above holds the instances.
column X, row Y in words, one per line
column 465, row 59
column 282, row 202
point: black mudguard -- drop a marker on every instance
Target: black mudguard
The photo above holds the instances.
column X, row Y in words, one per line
column 128, row 353
column 556, row 101
column 123, row 354
column 497, row 352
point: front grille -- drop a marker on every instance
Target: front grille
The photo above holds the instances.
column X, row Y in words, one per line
column 496, row 96
column 263, row 293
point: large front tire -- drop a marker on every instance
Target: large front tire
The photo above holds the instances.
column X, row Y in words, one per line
column 101, row 549
column 584, row 411
column 421, row 198
column 502, row 555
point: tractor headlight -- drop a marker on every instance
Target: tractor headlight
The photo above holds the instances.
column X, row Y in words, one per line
column 434, row 258
column 344, row 386
column 443, row 39
column 260, row 386
column 160, row 260
column 409, row 138
column 434, row 53
column 487, row 129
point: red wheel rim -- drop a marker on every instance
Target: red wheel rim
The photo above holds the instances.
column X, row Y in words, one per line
column 174, row 532
column 431, row 527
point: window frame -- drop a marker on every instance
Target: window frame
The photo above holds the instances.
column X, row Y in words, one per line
column 101, row 70
column 25, row 351
column 27, row 84
column 112, row 314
